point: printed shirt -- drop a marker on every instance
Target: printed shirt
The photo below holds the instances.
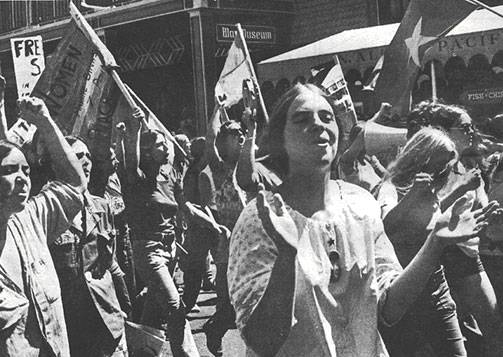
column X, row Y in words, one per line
column 35, row 315
column 330, row 318
column 230, row 201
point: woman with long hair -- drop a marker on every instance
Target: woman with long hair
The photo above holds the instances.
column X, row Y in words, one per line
column 311, row 270
column 417, row 175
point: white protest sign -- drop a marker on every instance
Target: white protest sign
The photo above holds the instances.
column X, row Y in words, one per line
column 21, row 132
column 29, row 63
column 335, row 84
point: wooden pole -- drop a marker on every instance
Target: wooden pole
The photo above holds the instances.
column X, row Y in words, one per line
column 125, row 92
column 252, row 71
column 434, row 96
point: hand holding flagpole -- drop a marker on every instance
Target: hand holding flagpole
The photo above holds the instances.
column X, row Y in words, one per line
column 252, row 71
column 109, row 62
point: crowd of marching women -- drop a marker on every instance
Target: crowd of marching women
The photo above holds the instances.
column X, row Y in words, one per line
column 320, row 249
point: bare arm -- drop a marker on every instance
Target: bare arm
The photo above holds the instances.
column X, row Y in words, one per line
column 211, row 135
column 3, row 119
column 132, row 146
column 66, row 166
column 470, row 181
column 246, row 171
column 456, row 227
column 271, row 321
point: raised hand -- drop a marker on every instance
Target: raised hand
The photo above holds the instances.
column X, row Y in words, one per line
column 277, row 222
column 461, row 223
column 34, row 111
column 471, row 180
column 2, row 89
column 494, row 229
column 137, row 118
column 249, row 119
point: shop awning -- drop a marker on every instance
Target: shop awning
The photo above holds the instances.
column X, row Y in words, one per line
column 480, row 32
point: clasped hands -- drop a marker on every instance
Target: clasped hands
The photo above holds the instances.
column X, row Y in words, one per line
column 456, row 225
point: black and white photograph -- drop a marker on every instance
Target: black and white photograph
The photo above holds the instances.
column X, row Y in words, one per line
column 251, row 178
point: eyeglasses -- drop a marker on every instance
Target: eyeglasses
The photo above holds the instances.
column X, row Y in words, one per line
column 468, row 128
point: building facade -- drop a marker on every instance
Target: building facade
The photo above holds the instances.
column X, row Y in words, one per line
column 170, row 52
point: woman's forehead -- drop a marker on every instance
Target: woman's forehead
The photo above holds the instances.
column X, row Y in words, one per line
column 14, row 157
column 309, row 100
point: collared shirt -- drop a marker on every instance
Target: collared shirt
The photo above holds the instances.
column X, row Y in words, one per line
column 331, row 318
column 33, row 323
column 152, row 204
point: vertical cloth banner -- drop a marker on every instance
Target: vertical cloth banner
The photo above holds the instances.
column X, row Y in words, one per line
column 29, row 62
column 330, row 77
column 78, row 89
column 424, row 23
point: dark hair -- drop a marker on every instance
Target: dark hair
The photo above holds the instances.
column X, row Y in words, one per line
column 438, row 115
column 6, row 147
column 274, row 138
column 72, row 139
column 148, row 138
column 147, row 141
column 197, row 146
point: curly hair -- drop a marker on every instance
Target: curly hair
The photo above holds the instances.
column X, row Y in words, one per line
column 438, row 115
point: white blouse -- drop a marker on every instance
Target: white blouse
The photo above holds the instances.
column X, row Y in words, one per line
column 331, row 318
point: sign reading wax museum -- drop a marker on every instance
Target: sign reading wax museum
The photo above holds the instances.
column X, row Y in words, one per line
column 29, row 63
column 482, row 96
column 253, row 34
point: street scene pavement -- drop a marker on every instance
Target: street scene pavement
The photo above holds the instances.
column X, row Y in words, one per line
column 233, row 345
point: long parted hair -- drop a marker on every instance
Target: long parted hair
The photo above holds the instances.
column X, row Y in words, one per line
column 273, row 140
column 417, row 153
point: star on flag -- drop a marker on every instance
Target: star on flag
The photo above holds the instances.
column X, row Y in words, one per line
column 417, row 40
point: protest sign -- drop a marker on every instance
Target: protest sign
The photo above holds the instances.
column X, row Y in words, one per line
column 79, row 91
column 21, row 132
column 29, row 62
column 330, row 77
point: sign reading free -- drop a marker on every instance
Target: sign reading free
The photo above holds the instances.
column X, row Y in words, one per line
column 482, row 96
column 253, row 34
column 28, row 58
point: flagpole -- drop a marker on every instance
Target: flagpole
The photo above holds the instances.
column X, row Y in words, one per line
column 145, row 108
column 434, row 97
column 109, row 63
column 126, row 93
column 488, row 8
column 252, row 71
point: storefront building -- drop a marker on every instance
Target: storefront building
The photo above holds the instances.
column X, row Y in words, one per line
column 170, row 52
column 468, row 62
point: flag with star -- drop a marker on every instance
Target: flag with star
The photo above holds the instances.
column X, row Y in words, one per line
column 424, row 23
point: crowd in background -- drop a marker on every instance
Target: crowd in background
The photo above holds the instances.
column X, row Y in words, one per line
column 320, row 249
